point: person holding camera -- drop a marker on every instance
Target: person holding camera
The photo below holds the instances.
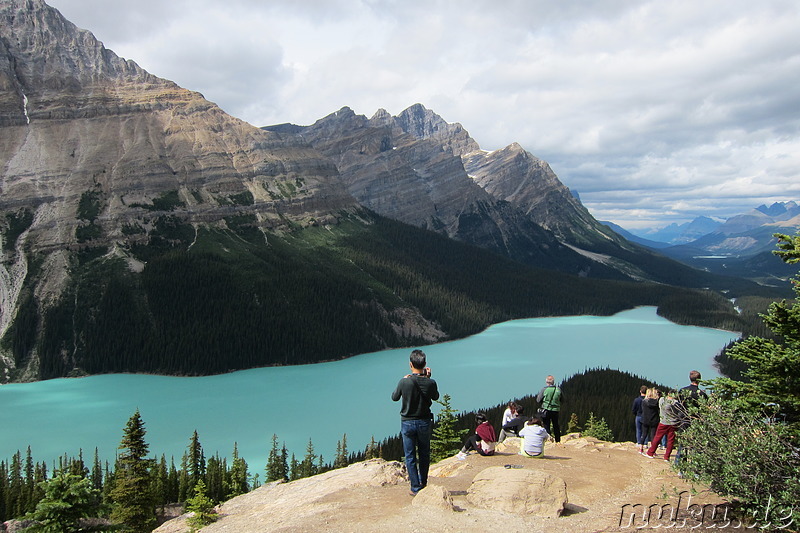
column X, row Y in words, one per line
column 417, row 391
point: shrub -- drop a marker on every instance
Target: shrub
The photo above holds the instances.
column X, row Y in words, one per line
column 744, row 456
column 597, row 428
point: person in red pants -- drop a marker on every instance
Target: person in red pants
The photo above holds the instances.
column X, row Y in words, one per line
column 669, row 421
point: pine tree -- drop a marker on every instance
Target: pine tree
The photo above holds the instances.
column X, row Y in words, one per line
column 276, row 469
column 67, row 498
column 294, row 469
column 573, row 425
column 446, row 439
column 97, row 471
column 340, row 460
column 202, row 506
column 15, row 499
column 597, row 428
column 196, row 462
column 133, row 505
column 372, row 451
column 215, row 477
column 237, row 476
column 307, row 466
column 3, row 491
column 773, row 366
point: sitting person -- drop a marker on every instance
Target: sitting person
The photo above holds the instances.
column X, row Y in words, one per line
column 534, row 435
column 509, row 413
column 482, row 441
column 513, row 426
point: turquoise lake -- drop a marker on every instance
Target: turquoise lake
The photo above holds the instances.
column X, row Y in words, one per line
column 326, row 400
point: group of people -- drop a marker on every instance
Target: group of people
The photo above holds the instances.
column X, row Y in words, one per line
column 418, row 390
column 659, row 418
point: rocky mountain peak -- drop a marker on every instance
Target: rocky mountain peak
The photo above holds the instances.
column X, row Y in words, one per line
column 423, row 123
column 382, row 118
column 48, row 62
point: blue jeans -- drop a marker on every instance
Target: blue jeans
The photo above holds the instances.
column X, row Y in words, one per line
column 417, row 447
column 639, row 429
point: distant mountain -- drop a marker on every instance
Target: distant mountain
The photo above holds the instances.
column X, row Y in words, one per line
column 741, row 246
column 635, row 238
column 681, row 233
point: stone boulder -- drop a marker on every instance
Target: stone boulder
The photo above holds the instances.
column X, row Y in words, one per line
column 519, row 492
column 434, row 497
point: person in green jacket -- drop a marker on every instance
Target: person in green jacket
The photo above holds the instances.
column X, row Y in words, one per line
column 549, row 399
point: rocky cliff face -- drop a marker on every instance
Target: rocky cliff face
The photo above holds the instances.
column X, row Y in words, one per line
column 410, row 168
column 96, row 152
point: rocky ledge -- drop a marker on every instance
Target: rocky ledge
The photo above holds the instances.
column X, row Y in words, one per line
column 581, row 485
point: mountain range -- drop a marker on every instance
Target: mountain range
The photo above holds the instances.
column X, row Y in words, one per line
column 741, row 245
column 145, row 230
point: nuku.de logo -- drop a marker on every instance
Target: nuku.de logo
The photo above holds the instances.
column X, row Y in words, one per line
column 686, row 514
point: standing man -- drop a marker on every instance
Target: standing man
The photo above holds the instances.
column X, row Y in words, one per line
column 418, row 391
column 549, row 399
column 637, row 411
column 688, row 397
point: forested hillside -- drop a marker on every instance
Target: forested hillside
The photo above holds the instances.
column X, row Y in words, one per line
column 208, row 300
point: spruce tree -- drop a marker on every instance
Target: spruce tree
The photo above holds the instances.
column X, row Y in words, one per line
column 202, row 506
column 133, row 505
column 196, row 462
column 237, row 476
column 446, row 439
column 3, row 491
column 307, row 466
column 275, row 463
column 67, row 498
column 340, row 460
column 372, row 451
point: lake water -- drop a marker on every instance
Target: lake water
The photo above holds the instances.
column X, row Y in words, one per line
column 324, row 401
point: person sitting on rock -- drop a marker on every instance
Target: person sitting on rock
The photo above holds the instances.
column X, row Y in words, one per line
column 534, row 436
column 513, row 426
column 482, row 441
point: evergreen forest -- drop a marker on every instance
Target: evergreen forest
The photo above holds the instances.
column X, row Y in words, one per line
column 211, row 300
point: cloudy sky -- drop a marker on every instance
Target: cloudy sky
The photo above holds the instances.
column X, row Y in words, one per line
column 653, row 111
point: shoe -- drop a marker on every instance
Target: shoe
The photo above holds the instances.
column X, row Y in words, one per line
column 649, row 456
column 642, row 453
column 461, row 456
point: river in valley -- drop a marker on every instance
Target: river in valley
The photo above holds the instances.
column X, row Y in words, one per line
column 326, row 400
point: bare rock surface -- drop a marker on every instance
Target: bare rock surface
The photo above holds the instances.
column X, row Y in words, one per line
column 519, row 491
column 603, row 483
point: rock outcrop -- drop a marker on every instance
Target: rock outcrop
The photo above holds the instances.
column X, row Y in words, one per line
column 608, row 485
column 519, row 492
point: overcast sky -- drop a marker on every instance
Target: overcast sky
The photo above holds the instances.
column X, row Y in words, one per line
column 653, row 111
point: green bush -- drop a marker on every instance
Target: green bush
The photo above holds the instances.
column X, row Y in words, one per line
column 597, row 428
column 744, row 457
column 202, row 506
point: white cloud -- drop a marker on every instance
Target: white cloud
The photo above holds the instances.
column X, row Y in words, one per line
column 653, row 111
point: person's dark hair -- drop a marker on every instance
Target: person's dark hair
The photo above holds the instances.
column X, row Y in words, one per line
column 643, row 389
column 694, row 376
column 418, row 359
column 535, row 421
column 480, row 418
column 520, row 409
